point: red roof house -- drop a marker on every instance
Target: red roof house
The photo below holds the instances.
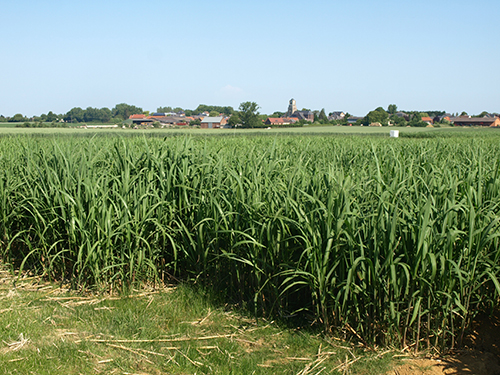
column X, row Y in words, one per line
column 428, row 120
column 280, row 121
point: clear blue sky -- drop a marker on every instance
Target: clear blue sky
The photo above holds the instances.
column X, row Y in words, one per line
column 352, row 55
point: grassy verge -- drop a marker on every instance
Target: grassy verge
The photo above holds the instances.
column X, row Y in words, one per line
column 48, row 330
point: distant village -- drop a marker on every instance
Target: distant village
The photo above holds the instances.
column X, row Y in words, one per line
column 215, row 117
column 295, row 117
column 207, row 121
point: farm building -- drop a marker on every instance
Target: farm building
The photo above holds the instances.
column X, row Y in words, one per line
column 338, row 115
column 85, row 126
column 137, row 117
column 446, row 117
column 171, row 120
column 354, row 119
column 477, row 121
column 140, row 120
column 303, row 115
column 404, row 115
column 213, row 122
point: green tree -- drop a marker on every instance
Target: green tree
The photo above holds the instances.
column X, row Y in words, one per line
column 104, row 114
column 249, row 114
column 51, row 117
column 74, row 115
column 416, row 120
column 398, row 121
column 227, row 110
column 377, row 115
column 17, row 118
column 322, row 116
column 277, row 114
column 392, row 109
column 433, row 114
column 164, row 109
column 214, row 113
column 124, row 111
column 90, row 114
column 208, row 108
column 234, row 120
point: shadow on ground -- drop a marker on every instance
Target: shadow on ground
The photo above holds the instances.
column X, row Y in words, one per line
column 481, row 355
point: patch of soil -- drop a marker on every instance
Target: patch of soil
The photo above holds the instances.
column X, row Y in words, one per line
column 473, row 363
column 485, row 335
column 481, row 355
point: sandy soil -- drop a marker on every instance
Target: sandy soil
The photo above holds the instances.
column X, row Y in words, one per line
column 481, row 355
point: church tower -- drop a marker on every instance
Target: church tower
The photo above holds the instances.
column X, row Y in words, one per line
column 292, row 108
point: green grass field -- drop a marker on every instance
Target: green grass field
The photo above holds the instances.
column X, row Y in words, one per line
column 9, row 128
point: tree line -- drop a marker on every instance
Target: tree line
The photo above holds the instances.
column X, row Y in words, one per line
column 78, row 115
column 119, row 113
column 212, row 109
column 247, row 115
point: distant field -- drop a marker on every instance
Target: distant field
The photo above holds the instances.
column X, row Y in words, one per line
column 9, row 128
column 12, row 125
column 7, row 124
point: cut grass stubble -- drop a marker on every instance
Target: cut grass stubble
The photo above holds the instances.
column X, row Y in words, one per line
column 175, row 330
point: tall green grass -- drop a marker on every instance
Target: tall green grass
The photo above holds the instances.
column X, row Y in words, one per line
column 391, row 240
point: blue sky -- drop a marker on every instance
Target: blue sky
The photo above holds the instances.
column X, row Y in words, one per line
column 352, row 56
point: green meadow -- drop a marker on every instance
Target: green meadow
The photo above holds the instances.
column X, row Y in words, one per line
column 9, row 128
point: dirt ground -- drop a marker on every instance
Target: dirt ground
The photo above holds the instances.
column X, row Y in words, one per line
column 481, row 355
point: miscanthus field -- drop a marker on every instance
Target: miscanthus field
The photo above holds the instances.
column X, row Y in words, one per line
column 393, row 241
